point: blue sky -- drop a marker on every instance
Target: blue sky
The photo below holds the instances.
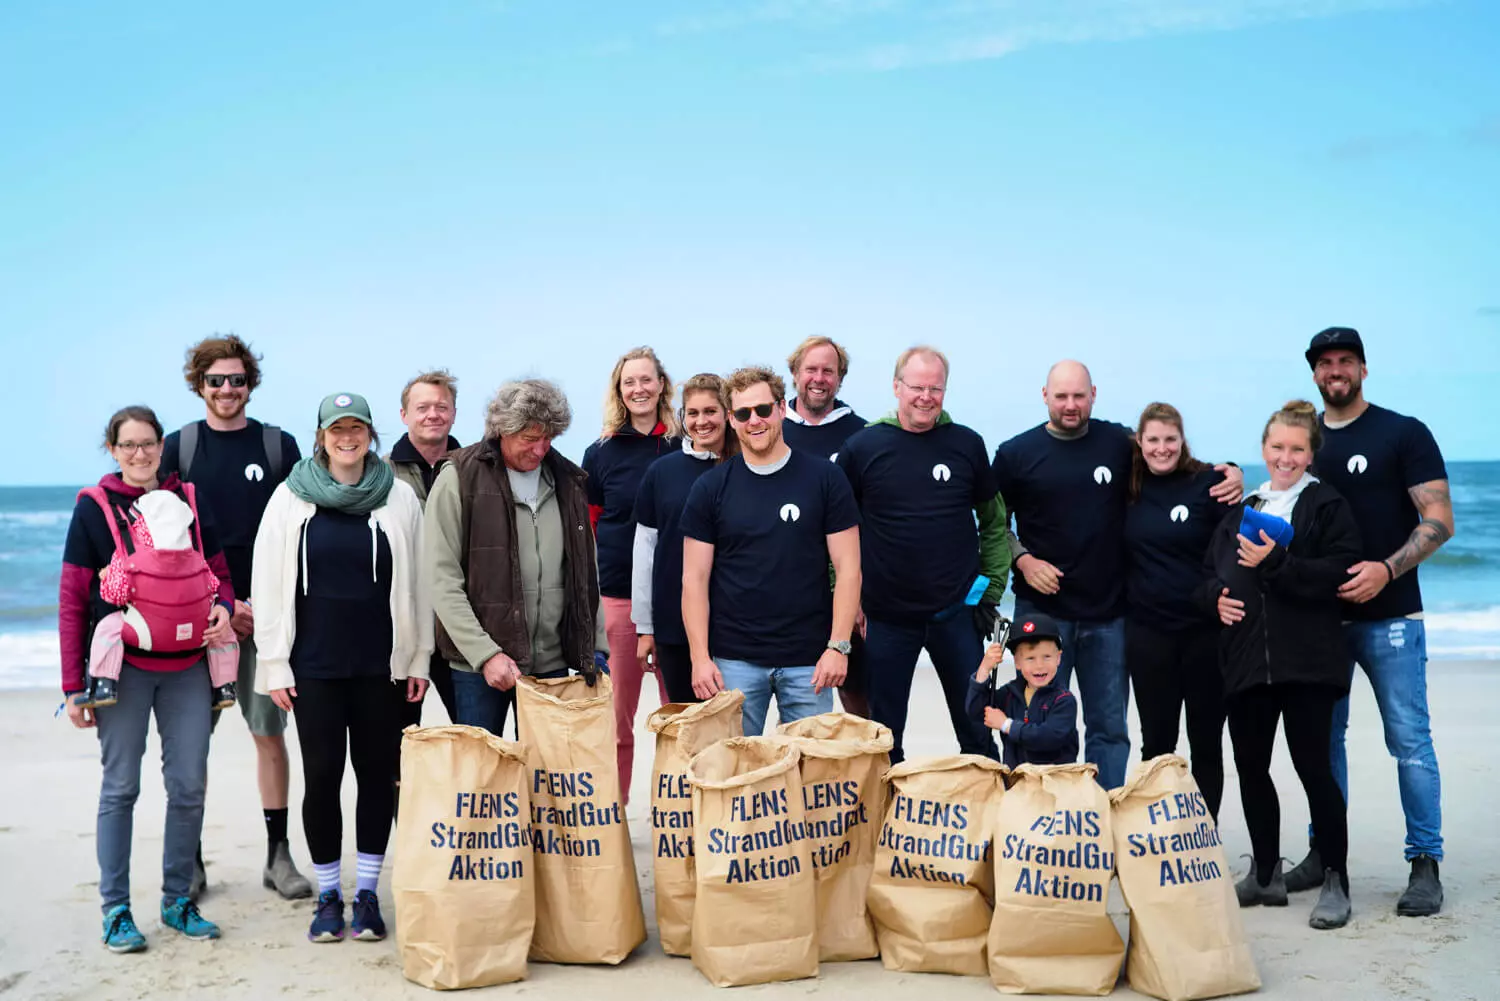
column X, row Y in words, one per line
column 1178, row 193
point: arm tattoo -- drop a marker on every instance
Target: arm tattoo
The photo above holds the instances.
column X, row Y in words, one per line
column 1435, row 504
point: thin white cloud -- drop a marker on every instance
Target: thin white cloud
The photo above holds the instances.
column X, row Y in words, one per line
column 802, row 13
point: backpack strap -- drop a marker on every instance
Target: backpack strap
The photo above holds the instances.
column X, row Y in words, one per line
column 271, row 435
column 119, row 528
column 187, row 448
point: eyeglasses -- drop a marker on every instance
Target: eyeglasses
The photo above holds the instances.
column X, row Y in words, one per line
column 137, row 446
column 216, row 379
column 742, row 414
column 919, row 390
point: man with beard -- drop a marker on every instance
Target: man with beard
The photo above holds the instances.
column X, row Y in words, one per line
column 1389, row 467
column 429, row 406
column 236, row 463
column 1067, row 482
column 818, row 421
column 760, row 530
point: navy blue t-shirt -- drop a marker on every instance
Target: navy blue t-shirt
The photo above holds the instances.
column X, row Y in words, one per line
column 1068, row 498
column 1168, row 531
column 615, row 466
column 826, row 438
column 234, row 476
column 768, row 597
column 918, row 540
column 1373, row 462
column 664, row 492
column 343, row 602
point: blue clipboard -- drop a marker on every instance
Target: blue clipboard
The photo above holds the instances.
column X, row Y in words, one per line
column 1253, row 522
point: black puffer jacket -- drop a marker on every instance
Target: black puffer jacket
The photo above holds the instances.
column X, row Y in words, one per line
column 1291, row 632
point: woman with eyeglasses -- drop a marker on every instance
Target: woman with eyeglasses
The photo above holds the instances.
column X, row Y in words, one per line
column 167, row 679
column 656, row 575
column 639, row 428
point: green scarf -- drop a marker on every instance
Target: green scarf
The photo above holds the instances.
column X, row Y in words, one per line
column 311, row 481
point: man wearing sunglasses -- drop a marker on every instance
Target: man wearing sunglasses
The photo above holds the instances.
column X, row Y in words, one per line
column 760, row 530
column 235, row 463
column 933, row 543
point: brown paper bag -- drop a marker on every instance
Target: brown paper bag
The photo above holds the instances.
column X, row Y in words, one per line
column 682, row 730
column 1186, row 937
column 933, row 884
column 588, row 904
column 1054, row 856
column 462, row 875
column 844, row 761
column 755, row 919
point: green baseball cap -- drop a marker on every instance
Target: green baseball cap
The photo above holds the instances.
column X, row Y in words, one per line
column 343, row 405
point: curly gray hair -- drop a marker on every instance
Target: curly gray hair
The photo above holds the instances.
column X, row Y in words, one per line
column 525, row 403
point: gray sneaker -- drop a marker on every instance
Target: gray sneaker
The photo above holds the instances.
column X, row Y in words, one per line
column 282, row 876
column 1333, row 908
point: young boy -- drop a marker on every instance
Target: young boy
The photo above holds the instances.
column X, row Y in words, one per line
column 1037, row 720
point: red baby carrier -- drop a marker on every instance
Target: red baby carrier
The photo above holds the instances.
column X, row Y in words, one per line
column 170, row 600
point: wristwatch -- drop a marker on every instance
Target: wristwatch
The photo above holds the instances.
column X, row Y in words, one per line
column 842, row 646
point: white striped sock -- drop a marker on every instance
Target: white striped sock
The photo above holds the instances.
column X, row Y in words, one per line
column 368, row 876
column 329, row 877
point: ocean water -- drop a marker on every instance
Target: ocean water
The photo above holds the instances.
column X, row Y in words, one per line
column 1460, row 584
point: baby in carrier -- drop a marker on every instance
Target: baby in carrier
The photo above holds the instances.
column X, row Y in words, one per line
column 159, row 574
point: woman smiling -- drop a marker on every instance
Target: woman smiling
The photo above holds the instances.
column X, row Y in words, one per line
column 339, row 617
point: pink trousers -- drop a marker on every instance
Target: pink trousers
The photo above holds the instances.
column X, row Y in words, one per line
column 625, row 673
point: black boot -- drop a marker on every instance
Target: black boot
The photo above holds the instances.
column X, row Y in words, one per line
column 1424, row 891
column 1307, row 874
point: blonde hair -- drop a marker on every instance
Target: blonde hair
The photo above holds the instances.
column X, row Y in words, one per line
column 742, row 379
column 794, row 360
column 1297, row 414
column 920, row 349
column 616, row 416
column 439, row 377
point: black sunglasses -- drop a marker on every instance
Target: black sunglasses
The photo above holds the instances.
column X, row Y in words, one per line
column 237, row 380
column 742, row 414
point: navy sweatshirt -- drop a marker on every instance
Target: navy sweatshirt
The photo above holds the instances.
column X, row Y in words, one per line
column 1167, row 534
column 826, row 438
column 615, row 466
column 664, row 493
column 343, row 604
column 1043, row 733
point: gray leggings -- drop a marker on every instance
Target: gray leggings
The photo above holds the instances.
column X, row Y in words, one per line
column 181, row 701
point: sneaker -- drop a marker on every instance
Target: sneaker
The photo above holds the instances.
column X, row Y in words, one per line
column 182, row 915
column 224, row 696
column 1307, row 874
column 1424, row 891
column 282, row 876
column 101, row 692
column 1250, row 891
column 367, row 924
column 1332, row 909
column 328, row 922
column 120, row 932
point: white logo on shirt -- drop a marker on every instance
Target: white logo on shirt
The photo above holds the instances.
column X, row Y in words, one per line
column 1358, row 464
column 790, row 512
column 1180, row 513
column 941, row 473
column 254, row 472
column 1102, row 475
column 834, row 457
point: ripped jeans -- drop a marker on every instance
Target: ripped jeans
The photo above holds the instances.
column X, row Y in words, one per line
column 1393, row 653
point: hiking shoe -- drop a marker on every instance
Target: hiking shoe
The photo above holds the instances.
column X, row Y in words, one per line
column 1307, row 874
column 367, row 925
column 1332, row 909
column 224, row 696
column 328, row 922
column 101, row 692
column 1250, row 891
column 282, row 876
column 1424, row 891
column 182, row 915
column 120, row 932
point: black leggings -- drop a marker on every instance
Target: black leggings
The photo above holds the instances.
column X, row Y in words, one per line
column 674, row 662
column 1307, row 712
column 1170, row 670
column 357, row 718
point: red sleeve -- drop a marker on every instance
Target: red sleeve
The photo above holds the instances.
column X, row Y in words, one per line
column 73, row 622
column 220, row 566
column 596, row 511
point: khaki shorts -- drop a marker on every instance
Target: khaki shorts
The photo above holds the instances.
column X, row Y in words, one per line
column 262, row 716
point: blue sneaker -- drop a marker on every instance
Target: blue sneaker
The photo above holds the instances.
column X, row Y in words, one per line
column 120, row 932
column 328, row 922
column 182, row 915
column 367, row 924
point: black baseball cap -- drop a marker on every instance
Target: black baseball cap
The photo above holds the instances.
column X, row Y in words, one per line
column 1335, row 337
column 1033, row 627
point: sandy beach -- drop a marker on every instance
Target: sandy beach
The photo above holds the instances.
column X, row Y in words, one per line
column 49, row 933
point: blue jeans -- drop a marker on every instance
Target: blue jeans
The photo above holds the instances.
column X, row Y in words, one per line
column 1096, row 650
column 955, row 646
column 792, row 686
column 182, row 702
column 475, row 703
column 1393, row 653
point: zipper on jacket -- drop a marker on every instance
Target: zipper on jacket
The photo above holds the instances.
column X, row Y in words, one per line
column 303, row 547
column 374, row 550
